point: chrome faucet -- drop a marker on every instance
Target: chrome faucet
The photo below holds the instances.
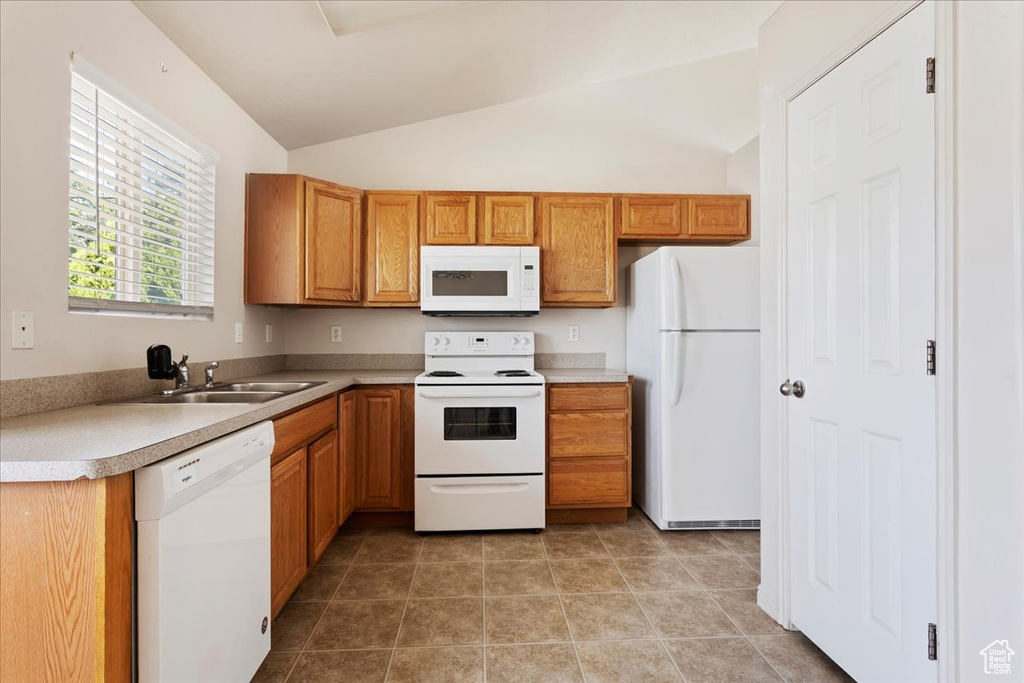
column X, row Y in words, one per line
column 209, row 373
column 181, row 373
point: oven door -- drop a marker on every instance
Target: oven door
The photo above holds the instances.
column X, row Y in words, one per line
column 479, row 429
column 469, row 279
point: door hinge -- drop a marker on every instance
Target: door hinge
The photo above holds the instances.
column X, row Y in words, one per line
column 930, row 358
column 933, row 642
column 929, row 75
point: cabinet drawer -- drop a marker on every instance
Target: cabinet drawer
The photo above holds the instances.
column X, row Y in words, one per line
column 302, row 426
column 581, row 434
column 588, row 397
column 589, row 482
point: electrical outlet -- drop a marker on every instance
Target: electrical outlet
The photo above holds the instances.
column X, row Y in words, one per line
column 239, row 336
column 270, row 333
column 335, row 334
column 574, row 333
column 23, row 330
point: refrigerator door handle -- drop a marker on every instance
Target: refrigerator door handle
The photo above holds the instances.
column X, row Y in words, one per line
column 677, row 367
column 677, row 294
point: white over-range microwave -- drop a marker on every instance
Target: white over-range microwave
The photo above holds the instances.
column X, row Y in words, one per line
column 480, row 281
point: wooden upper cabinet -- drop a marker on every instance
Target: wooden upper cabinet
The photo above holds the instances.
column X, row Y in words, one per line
column 651, row 216
column 722, row 216
column 449, row 219
column 578, row 255
column 392, row 248
column 323, row 493
column 508, row 219
column 302, row 241
column 333, row 253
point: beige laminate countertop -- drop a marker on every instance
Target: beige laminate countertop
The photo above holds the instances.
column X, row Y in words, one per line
column 96, row 441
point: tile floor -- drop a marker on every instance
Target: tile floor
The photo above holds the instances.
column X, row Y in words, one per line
column 594, row 603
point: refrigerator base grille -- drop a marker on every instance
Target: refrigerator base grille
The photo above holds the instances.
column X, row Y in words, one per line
column 718, row 524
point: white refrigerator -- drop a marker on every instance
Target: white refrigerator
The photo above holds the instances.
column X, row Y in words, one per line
column 692, row 338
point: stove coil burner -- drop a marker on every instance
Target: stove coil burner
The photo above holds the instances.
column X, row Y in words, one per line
column 444, row 373
column 513, row 373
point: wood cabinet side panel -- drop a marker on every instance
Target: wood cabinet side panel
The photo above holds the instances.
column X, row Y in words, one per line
column 65, row 559
column 273, row 238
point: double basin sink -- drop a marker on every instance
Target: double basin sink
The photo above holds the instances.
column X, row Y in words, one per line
column 237, row 392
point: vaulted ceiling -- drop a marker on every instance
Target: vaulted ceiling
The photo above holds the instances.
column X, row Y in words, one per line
column 310, row 72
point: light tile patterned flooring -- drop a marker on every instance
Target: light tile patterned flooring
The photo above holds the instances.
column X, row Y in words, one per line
column 595, row 603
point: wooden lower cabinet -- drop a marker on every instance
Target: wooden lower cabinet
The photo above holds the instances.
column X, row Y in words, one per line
column 323, row 493
column 384, row 450
column 347, row 448
column 288, row 548
column 589, row 482
column 589, row 446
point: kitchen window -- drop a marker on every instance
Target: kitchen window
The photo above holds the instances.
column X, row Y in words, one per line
column 141, row 209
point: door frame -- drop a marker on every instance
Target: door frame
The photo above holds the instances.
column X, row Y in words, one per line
column 775, row 113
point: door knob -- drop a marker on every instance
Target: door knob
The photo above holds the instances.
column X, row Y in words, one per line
column 796, row 388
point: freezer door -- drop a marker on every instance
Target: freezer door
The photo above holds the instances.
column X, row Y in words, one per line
column 710, row 447
column 709, row 288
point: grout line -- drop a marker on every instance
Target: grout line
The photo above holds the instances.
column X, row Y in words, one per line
column 324, row 613
column 747, row 638
column 565, row 615
column 405, row 608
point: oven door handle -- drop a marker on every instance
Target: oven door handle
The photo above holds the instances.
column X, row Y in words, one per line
column 470, row 489
column 490, row 392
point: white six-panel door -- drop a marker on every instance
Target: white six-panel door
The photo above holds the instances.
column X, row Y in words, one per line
column 861, row 310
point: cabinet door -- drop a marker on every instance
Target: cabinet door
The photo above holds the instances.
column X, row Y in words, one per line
column 287, row 528
column 392, row 249
column 333, row 254
column 718, row 216
column 323, row 493
column 508, row 219
column 380, row 449
column 578, row 250
column 651, row 216
column 347, row 455
column 450, row 219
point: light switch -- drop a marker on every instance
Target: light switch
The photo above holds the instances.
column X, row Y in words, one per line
column 23, row 330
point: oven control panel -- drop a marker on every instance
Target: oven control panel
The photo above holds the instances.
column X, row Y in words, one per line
column 479, row 344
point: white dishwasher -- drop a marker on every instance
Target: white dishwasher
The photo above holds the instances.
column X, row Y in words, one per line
column 204, row 560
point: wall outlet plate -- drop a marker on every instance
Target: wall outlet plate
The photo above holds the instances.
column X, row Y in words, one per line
column 270, row 333
column 335, row 334
column 239, row 334
column 23, row 330
column 574, row 333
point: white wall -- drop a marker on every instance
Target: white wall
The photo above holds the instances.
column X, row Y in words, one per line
column 640, row 134
column 988, row 363
column 36, row 41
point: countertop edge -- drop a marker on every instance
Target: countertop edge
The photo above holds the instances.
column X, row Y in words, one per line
column 109, row 466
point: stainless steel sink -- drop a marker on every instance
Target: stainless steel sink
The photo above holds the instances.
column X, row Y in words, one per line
column 237, row 392
column 217, row 397
column 283, row 387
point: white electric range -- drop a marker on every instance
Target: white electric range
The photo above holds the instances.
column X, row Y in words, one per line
column 479, row 433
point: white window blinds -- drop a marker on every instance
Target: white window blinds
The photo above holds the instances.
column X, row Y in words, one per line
column 141, row 214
